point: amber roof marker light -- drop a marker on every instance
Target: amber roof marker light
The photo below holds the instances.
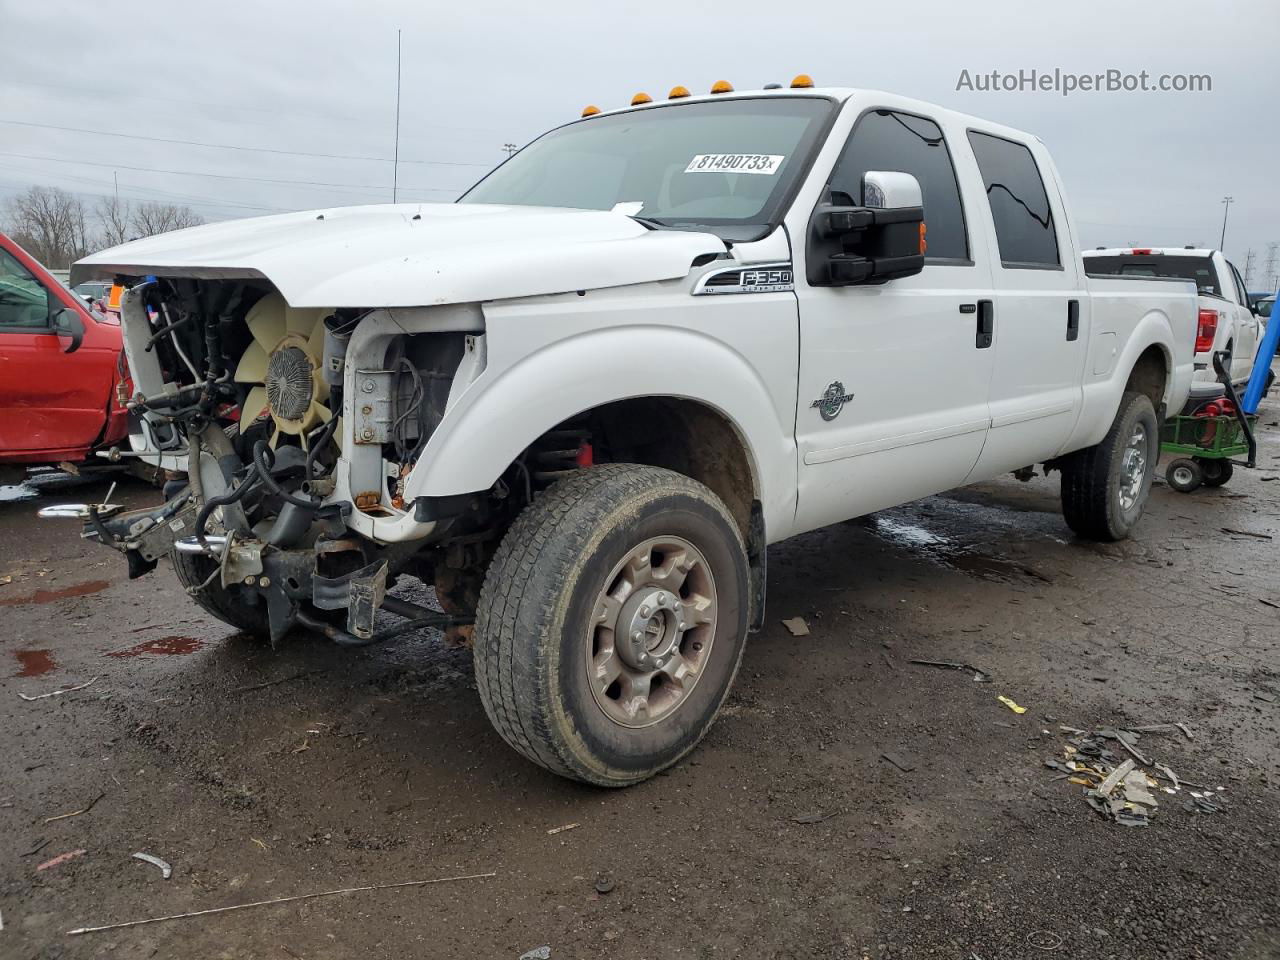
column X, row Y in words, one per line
column 590, row 110
column 803, row 81
column 678, row 93
column 722, row 86
column 640, row 98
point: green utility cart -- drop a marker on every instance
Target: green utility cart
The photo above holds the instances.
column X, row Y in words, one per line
column 1205, row 445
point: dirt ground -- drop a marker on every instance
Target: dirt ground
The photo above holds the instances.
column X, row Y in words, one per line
column 261, row 775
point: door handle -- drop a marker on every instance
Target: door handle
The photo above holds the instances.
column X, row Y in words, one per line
column 986, row 324
column 1073, row 319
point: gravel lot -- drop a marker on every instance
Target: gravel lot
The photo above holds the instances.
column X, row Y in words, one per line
column 262, row 774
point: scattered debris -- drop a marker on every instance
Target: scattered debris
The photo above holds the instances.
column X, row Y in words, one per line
column 58, row 693
column 798, row 626
column 906, row 766
column 1266, row 697
column 1011, row 705
column 1122, row 791
column 537, row 953
column 40, row 845
column 1044, row 939
column 808, row 818
column 604, row 884
column 568, row 826
column 979, row 675
column 272, row 683
column 1246, row 533
column 166, row 871
column 6, row 579
column 75, row 813
column 266, row 903
column 60, row 859
column 1269, row 603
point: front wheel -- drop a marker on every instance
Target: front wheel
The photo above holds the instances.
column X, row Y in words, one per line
column 1216, row 472
column 612, row 622
column 1105, row 487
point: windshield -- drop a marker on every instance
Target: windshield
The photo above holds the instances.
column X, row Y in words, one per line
column 1200, row 268
column 726, row 166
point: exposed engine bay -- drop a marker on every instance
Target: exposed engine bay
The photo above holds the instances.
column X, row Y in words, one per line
column 251, row 393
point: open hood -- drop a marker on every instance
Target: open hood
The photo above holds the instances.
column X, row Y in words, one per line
column 406, row 255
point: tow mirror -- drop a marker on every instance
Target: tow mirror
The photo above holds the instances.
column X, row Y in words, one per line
column 882, row 239
column 67, row 323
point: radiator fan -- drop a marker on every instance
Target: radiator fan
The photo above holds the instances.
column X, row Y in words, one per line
column 283, row 362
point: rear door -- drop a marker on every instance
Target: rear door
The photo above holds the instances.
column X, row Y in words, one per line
column 893, row 376
column 1041, row 316
column 49, row 400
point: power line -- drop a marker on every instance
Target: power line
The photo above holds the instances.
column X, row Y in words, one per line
column 232, row 146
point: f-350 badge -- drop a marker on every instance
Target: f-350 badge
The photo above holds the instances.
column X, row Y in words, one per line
column 832, row 401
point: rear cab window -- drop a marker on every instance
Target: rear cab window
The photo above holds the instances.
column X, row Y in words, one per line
column 1198, row 269
column 1025, row 230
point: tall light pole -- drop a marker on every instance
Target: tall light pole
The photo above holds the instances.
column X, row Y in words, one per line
column 510, row 148
column 395, row 163
column 1226, row 207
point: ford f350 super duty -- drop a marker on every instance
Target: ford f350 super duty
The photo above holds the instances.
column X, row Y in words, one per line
column 583, row 400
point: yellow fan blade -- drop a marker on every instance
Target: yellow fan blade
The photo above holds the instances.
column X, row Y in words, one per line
column 302, row 322
column 266, row 320
column 254, row 404
column 315, row 347
column 253, row 365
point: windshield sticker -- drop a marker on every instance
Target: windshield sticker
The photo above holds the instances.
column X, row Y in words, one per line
column 765, row 163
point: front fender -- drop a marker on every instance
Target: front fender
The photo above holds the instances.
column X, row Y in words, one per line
column 502, row 412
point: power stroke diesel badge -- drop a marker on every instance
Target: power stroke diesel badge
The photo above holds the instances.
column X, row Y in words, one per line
column 832, row 401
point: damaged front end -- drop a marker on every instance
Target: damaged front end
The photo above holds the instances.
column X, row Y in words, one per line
column 270, row 526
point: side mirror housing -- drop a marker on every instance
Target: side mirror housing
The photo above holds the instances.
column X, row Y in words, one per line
column 881, row 240
column 68, row 323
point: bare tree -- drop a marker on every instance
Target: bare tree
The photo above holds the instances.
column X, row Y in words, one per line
column 50, row 223
column 151, row 218
column 115, row 216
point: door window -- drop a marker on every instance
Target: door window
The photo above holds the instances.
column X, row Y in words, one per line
column 1242, row 295
column 24, row 302
column 1019, row 204
column 888, row 140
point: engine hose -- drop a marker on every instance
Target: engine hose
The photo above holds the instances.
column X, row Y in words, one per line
column 260, row 455
column 322, row 441
column 212, row 504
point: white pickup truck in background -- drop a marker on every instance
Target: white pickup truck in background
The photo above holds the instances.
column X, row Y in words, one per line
column 583, row 400
column 1226, row 320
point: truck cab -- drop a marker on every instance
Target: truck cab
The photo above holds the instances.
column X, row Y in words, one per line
column 582, row 401
column 60, row 363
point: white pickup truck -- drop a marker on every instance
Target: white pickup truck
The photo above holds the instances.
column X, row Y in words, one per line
column 583, row 400
column 1226, row 321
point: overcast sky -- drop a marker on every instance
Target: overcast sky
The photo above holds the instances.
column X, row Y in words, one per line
column 316, row 77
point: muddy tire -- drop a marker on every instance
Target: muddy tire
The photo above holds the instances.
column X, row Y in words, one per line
column 193, row 569
column 1105, row 487
column 612, row 622
column 1216, row 472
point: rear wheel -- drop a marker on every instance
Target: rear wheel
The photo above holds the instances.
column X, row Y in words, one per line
column 199, row 575
column 612, row 622
column 1215, row 472
column 1105, row 487
column 1184, row 475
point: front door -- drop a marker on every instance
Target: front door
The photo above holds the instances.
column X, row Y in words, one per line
column 49, row 401
column 893, row 377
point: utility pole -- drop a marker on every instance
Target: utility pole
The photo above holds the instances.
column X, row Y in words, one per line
column 115, row 178
column 510, row 148
column 1226, row 206
column 1269, row 271
column 395, row 163
column 1249, row 258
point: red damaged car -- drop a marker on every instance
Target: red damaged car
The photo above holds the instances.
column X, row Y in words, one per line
column 62, row 371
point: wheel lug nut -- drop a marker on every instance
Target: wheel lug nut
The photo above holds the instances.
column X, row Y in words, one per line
column 638, row 637
column 645, row 611
column 662, row 598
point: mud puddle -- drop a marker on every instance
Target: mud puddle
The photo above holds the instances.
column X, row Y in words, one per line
column 948, row 552
column 160, row 647
column 34, row 663
column 62, row 593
